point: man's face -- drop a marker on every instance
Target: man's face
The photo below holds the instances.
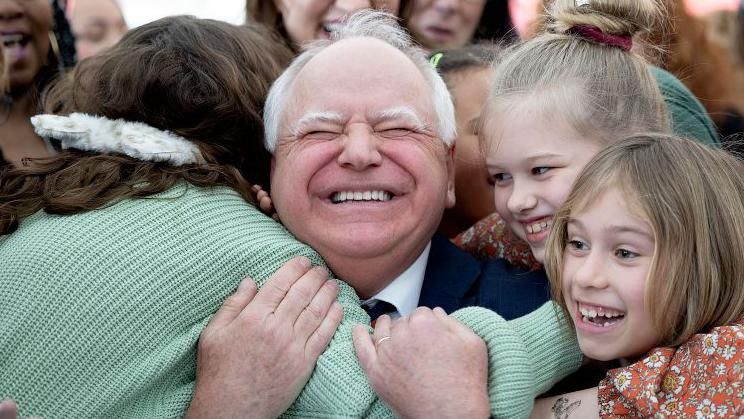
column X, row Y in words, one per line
column 359, row 173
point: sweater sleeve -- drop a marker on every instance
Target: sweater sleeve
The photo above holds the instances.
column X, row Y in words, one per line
column 527, row 356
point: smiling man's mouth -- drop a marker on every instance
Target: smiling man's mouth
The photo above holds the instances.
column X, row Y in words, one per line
column 357, row 196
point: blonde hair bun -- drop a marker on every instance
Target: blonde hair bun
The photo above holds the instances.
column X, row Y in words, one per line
column 613, row 17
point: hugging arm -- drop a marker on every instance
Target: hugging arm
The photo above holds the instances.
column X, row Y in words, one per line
column 526, row 356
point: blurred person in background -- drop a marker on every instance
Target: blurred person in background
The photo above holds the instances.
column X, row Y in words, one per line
column 302, row 21
column 449, row 24
column 97, row 25
column 703, row 65
column 37, row 48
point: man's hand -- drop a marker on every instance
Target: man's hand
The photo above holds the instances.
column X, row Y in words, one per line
column 256, row 354
column 426, row 365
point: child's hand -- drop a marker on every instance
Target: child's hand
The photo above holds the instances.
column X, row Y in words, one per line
column 264, row 202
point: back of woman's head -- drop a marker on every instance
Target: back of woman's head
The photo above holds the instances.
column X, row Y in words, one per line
column 692, row 196
column 201, row 79
column 205, row 81
column 582, row 67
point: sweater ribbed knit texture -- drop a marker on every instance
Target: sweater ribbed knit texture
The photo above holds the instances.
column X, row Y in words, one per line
column 100, row 313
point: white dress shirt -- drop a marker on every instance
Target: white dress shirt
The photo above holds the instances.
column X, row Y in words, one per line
column 404, row 292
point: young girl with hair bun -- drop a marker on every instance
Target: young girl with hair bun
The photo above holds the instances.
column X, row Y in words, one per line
column 649, row 270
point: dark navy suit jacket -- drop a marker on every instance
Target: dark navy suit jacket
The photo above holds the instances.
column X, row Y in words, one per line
column 454, row 279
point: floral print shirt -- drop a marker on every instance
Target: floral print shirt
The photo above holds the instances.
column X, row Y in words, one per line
column 703, row 378
column 491, row 238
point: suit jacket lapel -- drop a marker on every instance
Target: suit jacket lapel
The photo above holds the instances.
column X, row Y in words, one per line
column 450, row 275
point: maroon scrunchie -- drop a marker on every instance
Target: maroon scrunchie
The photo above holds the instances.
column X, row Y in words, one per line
column 593, row 33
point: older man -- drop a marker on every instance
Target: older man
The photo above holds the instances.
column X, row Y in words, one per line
column 362, row 135
column 361, row 129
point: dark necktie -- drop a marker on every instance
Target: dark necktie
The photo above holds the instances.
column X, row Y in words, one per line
column 377, row 308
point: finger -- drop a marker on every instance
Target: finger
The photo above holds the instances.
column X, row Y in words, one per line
column 300, row 295
column 324, row 333
column 276, row 288
column 364, row 347
column 311, row 316
column 452, row 323
column 234, row 304
column 8, row 409
column 382, row 328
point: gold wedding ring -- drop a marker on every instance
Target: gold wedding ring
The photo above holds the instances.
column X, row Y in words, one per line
column 382, row 339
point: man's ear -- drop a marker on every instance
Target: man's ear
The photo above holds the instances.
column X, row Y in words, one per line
column 450, row 177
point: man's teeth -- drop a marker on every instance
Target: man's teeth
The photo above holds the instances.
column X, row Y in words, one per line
column 538, row 227
column 596, row 316
column 382, row 196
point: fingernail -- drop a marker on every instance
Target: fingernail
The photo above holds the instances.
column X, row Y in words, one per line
column 245, row 284
column 331, row 283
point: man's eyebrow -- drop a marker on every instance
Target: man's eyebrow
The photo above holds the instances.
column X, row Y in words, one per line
column 399, row 112
column 314, row 117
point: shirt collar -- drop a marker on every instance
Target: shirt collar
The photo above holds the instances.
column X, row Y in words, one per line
column 404, row 292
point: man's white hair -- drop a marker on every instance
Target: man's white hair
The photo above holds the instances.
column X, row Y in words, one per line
column 366, row 23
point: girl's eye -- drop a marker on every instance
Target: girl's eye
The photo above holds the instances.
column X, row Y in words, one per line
column 577, row 245
column 625, row 254
column 540, row 170
column 499, row 178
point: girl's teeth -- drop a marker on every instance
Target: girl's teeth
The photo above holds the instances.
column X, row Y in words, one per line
column 538, row 227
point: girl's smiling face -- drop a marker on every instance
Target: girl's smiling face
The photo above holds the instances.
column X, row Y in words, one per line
column 532, row 163
column 609, row 251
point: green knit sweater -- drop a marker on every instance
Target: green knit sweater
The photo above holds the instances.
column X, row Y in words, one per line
column 100, row 313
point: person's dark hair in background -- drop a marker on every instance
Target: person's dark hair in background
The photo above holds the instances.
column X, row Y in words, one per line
column 495, row 22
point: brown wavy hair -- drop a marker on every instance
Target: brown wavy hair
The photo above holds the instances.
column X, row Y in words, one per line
column 204, row 80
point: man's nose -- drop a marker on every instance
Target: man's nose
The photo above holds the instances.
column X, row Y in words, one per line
column 522, row 198
column 360, row 149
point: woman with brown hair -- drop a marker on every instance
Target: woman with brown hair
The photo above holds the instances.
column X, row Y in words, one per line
column 115, row 253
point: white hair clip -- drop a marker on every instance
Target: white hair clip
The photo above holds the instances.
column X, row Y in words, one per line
column 580, row 3
column 102, row 135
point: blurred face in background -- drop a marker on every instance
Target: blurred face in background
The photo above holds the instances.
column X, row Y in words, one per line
column 474, row 194
column 308, row 20
column 445, row 24
column 24, row 29
column 97, row 25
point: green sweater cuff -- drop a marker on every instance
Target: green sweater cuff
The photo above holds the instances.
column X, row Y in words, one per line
column 526, row 355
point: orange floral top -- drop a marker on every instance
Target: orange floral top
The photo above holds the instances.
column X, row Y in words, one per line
column 490, row 238
column 703, row 378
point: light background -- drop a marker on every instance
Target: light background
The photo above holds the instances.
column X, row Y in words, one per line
column 138, row 12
